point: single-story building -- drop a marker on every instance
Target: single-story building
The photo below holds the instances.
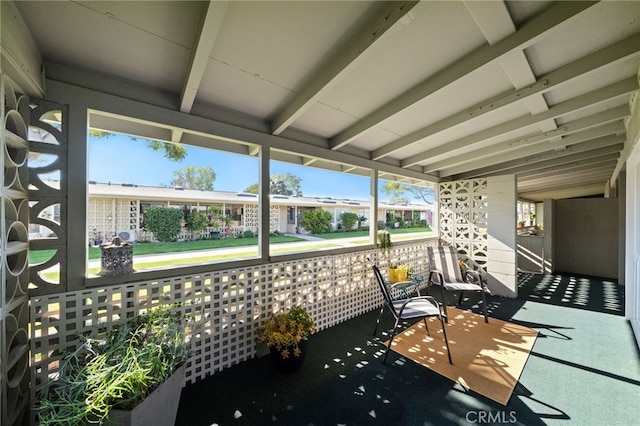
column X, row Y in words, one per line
column 118, row 209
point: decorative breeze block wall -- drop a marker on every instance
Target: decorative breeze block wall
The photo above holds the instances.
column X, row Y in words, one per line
column 14, row 251
column 49, row 142
column 478, row 217
column 227, row 306
column 463, row 219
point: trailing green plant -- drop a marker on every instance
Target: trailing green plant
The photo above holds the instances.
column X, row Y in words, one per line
column 118, row 371
column 285, row 330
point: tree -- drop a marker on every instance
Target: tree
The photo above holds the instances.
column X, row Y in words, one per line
column 361, row 219
column 196, row 221
column 214, row 216
column 164, row 222
column 396, row 191
column 316, row 221
column 286, row 184
column 280, row 184
column 252, row 189
column 192, row 177
column 348, row 220
column 172, row 151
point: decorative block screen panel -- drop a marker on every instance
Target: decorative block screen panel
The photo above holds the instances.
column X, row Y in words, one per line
column 463, row 219
column 14, row 251
column 227, row 305
column 48, row 141
column 251, row 216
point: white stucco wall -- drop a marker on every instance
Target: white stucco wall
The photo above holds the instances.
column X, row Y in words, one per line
column 501, row 235
column 632, row 249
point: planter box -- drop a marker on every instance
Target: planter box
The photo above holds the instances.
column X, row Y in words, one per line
column 158, row 409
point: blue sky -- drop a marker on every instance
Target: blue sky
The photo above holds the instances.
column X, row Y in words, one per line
column 119, row 159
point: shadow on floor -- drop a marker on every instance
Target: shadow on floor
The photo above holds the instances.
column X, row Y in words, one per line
column 574, row 291
column 344, row 382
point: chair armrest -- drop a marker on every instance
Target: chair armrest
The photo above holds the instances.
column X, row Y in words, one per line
column 476, row 277
column 438, row 275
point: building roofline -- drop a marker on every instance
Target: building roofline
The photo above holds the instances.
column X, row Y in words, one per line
column 178, row 194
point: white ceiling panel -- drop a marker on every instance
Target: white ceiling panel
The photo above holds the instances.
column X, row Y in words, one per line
column 442, row 89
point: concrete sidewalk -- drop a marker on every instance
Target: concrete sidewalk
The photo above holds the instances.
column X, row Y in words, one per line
column 309, row 242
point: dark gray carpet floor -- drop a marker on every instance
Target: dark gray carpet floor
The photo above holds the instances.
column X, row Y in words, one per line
column 584, row 369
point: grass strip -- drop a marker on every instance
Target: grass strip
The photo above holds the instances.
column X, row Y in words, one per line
column 55, row 275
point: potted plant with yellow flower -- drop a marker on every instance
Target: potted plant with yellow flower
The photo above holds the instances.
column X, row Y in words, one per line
column 395, row 273
column 286, row 334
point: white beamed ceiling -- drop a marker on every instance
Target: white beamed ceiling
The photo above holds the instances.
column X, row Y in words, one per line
column 446, row 89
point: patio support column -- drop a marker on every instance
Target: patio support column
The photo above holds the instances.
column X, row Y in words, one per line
column 373, row 208
column 263, row 205
column 501, row 235
column 77, row 190
column 547, row 232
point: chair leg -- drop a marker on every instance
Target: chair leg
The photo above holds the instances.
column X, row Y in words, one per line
column 393, row 334
column 446, row 340
column 460, row 298
column 378, row 320
column 484, row 306
column 426, row 325
column 444, row 303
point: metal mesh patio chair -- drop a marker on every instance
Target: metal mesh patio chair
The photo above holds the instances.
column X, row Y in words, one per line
column 445, row 272
column 411, row 308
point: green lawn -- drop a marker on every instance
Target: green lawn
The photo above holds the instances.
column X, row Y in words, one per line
column 192, row 260
column 156, row 248
column 40, row 256
column 365, row 233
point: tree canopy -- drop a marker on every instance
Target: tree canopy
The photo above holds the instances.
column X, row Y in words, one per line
column 172, row 151
column 281, row 184
column 191, row 177
column 398, row 192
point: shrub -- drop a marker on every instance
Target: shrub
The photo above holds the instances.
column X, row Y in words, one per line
column 165, row 223
column 248, row 234
column 316, row 221
column 348, row 220
column 196, row 221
